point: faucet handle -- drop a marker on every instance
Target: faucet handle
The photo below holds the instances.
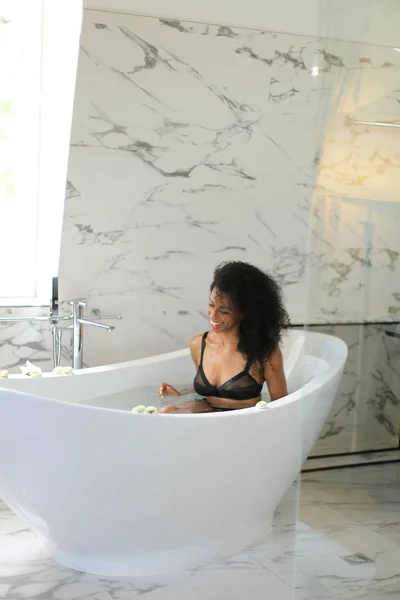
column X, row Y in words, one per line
column 97, row 315
column 78, row 303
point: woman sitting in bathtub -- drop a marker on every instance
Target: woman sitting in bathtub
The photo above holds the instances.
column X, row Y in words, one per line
column 241, row 352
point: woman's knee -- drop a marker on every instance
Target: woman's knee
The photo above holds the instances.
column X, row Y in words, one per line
column 170, row 408
column 196, row 406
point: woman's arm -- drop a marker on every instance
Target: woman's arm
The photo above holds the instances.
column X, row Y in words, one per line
column 195, row 351
column 275, row 376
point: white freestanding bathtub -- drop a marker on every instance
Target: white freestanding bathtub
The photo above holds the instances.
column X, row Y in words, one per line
column 119, row 493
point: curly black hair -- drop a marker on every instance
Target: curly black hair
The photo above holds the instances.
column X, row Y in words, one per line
column 258, row 297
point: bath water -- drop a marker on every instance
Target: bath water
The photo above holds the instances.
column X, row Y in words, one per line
column 146, row 395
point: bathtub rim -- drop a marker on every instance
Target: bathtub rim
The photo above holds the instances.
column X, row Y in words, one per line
column 166, row 356
column 339, row 357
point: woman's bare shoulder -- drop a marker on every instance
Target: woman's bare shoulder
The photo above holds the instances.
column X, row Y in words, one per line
column 195, row 342
column 195, row 348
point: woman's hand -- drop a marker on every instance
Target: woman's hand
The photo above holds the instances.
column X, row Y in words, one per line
column 167, row 390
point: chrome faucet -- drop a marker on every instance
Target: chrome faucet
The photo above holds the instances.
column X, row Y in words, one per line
column 76, row 328
column 78, row 321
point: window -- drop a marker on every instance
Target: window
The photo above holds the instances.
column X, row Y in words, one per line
column 37, row 82
column 20, row 76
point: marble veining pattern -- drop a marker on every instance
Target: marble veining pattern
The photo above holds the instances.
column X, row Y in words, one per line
column 327, row 517
column 363, row 417
column 193, row 144
column 365, row 414
column 24, row 340
column 356, row 242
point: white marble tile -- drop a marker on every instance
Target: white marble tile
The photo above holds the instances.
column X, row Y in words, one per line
column 368, row 492
column 24, row 340
column 317, row 523
column 19, row 548
column 50, row 584
column 373, row 479
column 385, row 525
column 204, row 143
column 192, row 145
column 9, row 522
column 313, row 562
column 355, row 256
column 365, row 414
column 26, row 572
column 231, row 580
column 386, row 591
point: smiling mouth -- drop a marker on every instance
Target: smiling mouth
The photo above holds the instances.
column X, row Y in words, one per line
column 215, row 324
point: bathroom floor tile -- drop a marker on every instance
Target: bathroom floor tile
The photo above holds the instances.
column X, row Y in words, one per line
column 48, row 581
column 21, row 553
column 366, row 493
column 388, row 528
column 230, row 580
column 314, row 564
column 310, row 556
column 322, row 519
column 9, row 522
column 385, row 591
column 27, row 572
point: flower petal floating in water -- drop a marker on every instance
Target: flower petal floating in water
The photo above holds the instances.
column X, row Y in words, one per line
column 4, row 373
column 262, row 404
column 151, row 410
column 68, row 370
column 58, row 370
column 30, row 369
column 139, row 409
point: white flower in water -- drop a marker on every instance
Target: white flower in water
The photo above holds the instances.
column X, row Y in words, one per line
column 4, row 374
column 151, row 410
column 30, row 369
column 262, row 404
column 58, row 370
column 68, row 370
column 35, row 374
column 139, row 409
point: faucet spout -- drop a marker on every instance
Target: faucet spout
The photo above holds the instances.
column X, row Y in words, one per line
column 94, row 324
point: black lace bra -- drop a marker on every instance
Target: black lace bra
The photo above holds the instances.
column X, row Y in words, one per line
column 240, row 387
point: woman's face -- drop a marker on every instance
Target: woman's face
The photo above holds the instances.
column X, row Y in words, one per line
column 223, row 315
